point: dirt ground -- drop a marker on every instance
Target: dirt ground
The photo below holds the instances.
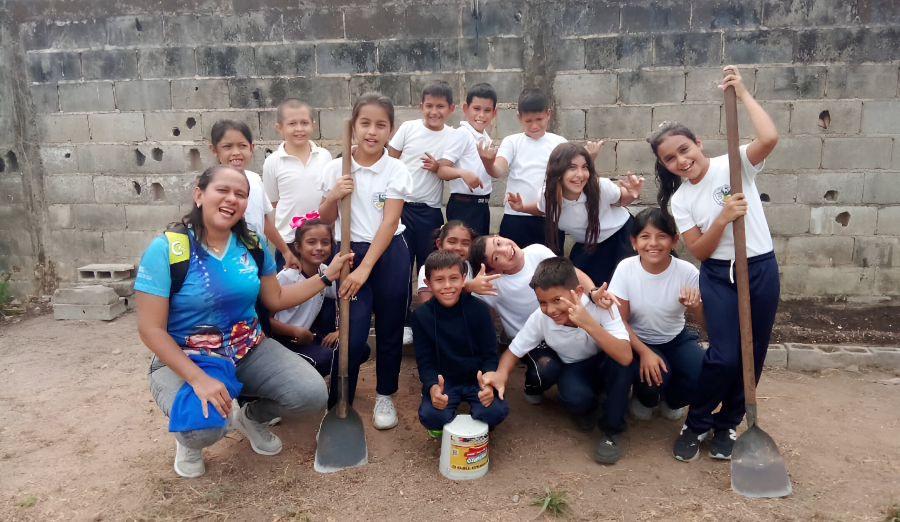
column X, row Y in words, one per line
column 82, row 440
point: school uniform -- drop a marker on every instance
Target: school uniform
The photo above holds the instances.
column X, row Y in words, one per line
column 614, row 240
column 657, row 319
column 585, row 368
column 258, row 205
column 469, row 206
column 698, row 205
column 527, row 160
column 422, row 208
column 387, row 288
column 422, row 285
column 313, row 316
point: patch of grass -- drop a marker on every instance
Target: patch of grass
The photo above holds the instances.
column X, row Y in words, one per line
column 27, row 502
column 554, row 501
column 892, row 511
column 5, row 296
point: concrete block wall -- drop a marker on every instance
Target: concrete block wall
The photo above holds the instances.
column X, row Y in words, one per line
column 120, row 100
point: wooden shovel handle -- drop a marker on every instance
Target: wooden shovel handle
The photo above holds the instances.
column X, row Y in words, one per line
column 344, row 304
column 742, row 277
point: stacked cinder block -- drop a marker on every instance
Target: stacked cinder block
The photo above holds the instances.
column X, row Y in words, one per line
column 103, row 291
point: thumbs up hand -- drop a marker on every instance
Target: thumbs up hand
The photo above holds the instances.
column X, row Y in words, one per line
column 486, row 392
column 438, row 399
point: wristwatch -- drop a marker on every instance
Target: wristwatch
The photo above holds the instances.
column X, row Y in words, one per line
column 325, row 279
column 591, row 293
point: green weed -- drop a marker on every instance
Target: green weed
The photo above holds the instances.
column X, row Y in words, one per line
column 554, row 501
column 892, row 511
column 27, row 502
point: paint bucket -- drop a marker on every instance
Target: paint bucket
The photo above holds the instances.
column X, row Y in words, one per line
column 464, row 449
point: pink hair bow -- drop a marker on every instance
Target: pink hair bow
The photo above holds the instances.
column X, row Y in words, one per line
column 298, row 221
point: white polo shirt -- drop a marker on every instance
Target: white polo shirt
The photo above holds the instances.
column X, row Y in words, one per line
column 573, row 215
column 293, row 185
column 413, row 139
column 258, row 205
column 527, row 165
column 656, row 314
column 424, row 286
column 572, row 344
column 462, row 150
column 372, row 186
column 305, row 313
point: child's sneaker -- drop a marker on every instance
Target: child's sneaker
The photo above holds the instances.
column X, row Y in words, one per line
column 687, row 445
column 407, row 335
column 668, row 413
column 534, row 398
column 385, row 416
column 188, row 462
column 261, row 439
column 436, row 433
column 722, row 444
column 638, row 410
column 607, row 450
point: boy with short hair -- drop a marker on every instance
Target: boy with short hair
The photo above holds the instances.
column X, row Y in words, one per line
column 290, row 174
column 456, row 349
column 470, row 184
column 592, row 344
column 524, row 157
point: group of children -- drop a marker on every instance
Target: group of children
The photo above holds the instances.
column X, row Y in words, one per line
column 595, row 324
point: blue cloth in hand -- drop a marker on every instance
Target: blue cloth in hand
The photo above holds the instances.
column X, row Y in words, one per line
column 187, row 411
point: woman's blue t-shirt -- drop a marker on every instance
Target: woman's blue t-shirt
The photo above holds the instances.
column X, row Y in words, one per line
column 214, row 311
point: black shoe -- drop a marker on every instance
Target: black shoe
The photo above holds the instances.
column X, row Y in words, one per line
column 534, row 398
column 587, row 420
column 687, row 445
column 607, row 450
column 722, row 444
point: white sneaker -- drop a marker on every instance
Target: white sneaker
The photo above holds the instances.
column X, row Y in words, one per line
column 638, row 410
column 669, row 413
column 261, row 439
column 407, row 335
column 385, row 416
column 188, row 462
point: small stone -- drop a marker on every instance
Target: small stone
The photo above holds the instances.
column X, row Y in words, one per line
column 516, row 498
column 37, row 309
column 117, row 351
column 852, row 368
column 15, row 302
column 105, row 366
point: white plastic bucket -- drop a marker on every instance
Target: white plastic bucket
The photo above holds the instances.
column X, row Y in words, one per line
column 464, row 449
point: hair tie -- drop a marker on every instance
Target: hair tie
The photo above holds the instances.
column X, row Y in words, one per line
column 298, row 221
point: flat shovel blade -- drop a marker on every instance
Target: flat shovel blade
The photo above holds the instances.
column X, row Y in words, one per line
column 757, row 468
column 341, row 442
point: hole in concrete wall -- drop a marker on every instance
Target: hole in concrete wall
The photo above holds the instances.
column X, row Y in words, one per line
column 255, row 95
column 196, row 88
column 68, row 155
column 190, row 122
column 268, row 151
column 139, row 157
column 159, row 193
column 824, row 119
column 764, row 197
column 137, row 25
column 843, row 218
column 12, row 162
column 137, row 187
column 157, row 154
column 176, row 132
column 518, row 16
column 196, row 163
column 2, row 165
column 831, row 195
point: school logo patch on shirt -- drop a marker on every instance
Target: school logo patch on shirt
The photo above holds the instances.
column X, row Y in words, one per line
column 721, row 194
column 245, row 264
column 378, row 200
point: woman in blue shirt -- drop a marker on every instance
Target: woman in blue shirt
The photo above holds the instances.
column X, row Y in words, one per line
column 205, row 333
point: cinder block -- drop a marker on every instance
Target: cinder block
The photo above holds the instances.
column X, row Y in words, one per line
column 257, row 26
column 169, row 62
column 702, row 84
column 777, row 356
column 880, row 44
column 881, row 117
column 223, row 60
column 121, row 189
column 796, row 153
column 59, row 160
column 888, row 221
column 790, row 83
column 143, row 95
column 882, row 188
column 176, row 189
column 496, row 18
column 105, row 272
column 60, row 216
column 267, row 132
column 644, row 86
column 98, row 217
column 432, row 20
column 887, row 281
column 827, row 281
column 812, row 357
column 89, row 312
column 843, row 221
column 570, row 123
column 606, row 158
column 286, row 60
column 879, row 13
column 800, row 13
column 725, row 14
column 780, row 112
column 131, row 31
column 375, row 22
column 82, row 34
column 130, row 158
column 72, row 247
column 68, row 189
column 313, row 24
column 857, row 153
column 862, row 81
column 777, row 188
column 626, row 51
column 251, row 118
column 619, row 122
column 85, row 295
column 119, row 64
column 86, row 97
column 465, row 54
column 408, row 56
column 127, row 244
column 345, row 58
column 45, row 98
column 571, row 55
column 703, row 120
column 590, row 18
column 395, row 87
column 60, row 128
column 843, row 117
column 635, row 156
column 713, row 148
column 193, row 29
column 831, row 187
column 53, row 67
column 580, row 90
column 820, row 251
column 117, row 127
column 787, row 219
column 507, row 53
column 507, row 124
column 200, row 94
column 662, row 16
column 885, row 357
column 877, row 251
column 687, row 49
column 151, row 217
column 255, row 93
column 173, row 126
column 330, row 123
column 122, row 288
column 507, row 84
column 780, row 247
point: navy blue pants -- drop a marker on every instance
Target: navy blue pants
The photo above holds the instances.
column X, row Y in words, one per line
column 471, row 210
column 524, row 230
column 600, row 264
column 721, row 378
column 683, row 357
column 320, row 357
column 580, row 383
column 385, row 292
column 435, row 419
column 421, row 221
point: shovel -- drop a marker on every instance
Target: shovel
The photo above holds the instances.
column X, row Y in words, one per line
column 757, row 468
column 341, row 442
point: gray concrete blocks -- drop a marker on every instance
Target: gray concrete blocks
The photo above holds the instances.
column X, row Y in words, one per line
column 60, row 216
column 823, row 188
column 702, row 84
column 703, row 120
column 656, row 86
column 267, row 131
column 687, row 49
column 131, row 31
column 799, row 13
column 89, row 312
column 143, row 158
column 286, row 60
column 581, row 90
column 257, row 26
column 780, row 112
column 258, row 93
column 408, row 56
column 844, row 117
column 321, row 92
column 68, row 189
column 790, row 83
column 843, row 221
column 506, row 18
column 74, row 246
column 619, row 122
column 86, row 295
column 465, row 54
column 200, row 94
column 634, row 156
column 45, row 98
column 882, row 188
column 98, row 217
column 887, row 281
column 777, row 356
column 345, row 58
column 507, row 53
column 117, row 127
column 103, row 272
column 888, row 221
column 727, row 14
column 663, row 16
column 222, row 60
column 590, row 18
column 60, row 128
column 54, row 67
column 151, row 217
column 792, row 154
column 432, row 20
column 375, row 22
column 875, row 81
column 881, row 117
column 127, row 243
column 827, row 281
column 571, row 55
column 857, row 153
column 143, row 95
column 877, row 251
column 59, row 160
column 168, row 62
column 571, row 124
column 397, row 88
column 193, row 29
column 833, row 44
column 81, row 34
column 507, row 84
column 173, row 126
column 829, row 251
column 119, row 64
column 86, row 97
column 777, row 188
column 122, row 287
column 330, row 123
column 626, row 51
column 120, row 189
column 208, row 119
column 313, row 24
column 787, row 219
column 812, row 357
column 507, row 124
column 880, row 44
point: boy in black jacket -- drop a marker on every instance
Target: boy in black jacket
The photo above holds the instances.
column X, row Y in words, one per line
column 453, row 335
